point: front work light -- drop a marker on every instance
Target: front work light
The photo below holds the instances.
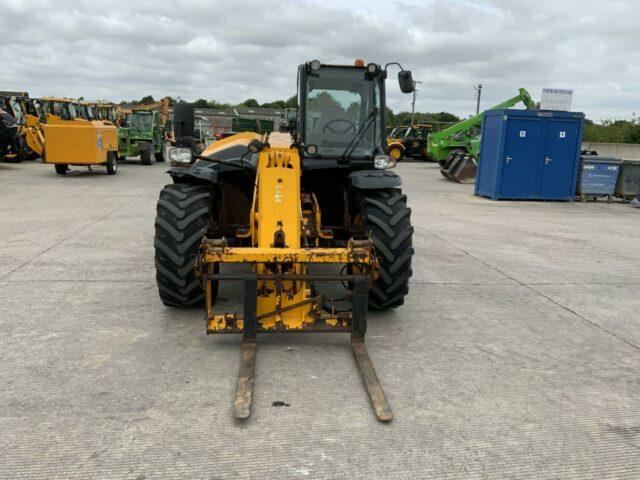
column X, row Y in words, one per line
column 180, row 155
column 255, row 146
column 315, row 65
column 384, row 162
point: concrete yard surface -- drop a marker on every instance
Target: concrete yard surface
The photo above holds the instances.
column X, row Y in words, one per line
column 515, row 355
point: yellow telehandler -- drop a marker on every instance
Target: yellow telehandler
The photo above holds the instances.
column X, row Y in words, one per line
column 288, row 206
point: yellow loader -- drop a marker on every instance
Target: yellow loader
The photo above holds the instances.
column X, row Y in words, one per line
column 25, row 138
column 297, row 209
column 72, row 140
column 34, row 119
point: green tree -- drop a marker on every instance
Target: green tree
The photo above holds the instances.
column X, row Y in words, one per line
column 291, row 102
column 251, row 103
column 390, row 117
column 222, row 106
column 147, row 99
column 613, row 131
column 276, row 104
column 439, row 120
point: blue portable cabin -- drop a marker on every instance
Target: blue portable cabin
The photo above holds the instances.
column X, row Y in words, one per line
column 529, row 154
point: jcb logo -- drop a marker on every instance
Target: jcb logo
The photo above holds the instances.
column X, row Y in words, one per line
column 278, row 195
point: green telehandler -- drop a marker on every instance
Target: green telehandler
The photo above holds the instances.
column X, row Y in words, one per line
column 456, row 148
column 144, row 133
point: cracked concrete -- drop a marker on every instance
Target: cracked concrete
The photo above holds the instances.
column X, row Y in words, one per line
column 515, row 355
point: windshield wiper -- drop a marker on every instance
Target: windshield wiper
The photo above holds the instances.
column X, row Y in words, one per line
column 346, row 155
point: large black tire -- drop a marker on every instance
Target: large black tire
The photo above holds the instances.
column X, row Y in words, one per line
column 387, row 219
column 147, row 157
column 112, row 163
column 13, row 159
column 183, row 216
column 61, row 168
column 160, row 154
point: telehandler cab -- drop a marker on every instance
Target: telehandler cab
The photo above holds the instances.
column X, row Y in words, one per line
column 286, row 204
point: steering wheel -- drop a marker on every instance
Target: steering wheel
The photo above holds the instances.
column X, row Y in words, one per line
column 351, row 127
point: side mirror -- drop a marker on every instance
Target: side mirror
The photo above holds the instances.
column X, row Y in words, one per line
column 183, row 122
column 406, row 81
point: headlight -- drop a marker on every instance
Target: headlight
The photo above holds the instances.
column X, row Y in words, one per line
column 315, row 65
column 180, row 155
column 383, row 162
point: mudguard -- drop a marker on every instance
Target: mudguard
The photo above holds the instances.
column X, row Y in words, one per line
column 374, row 179
column 201, row 170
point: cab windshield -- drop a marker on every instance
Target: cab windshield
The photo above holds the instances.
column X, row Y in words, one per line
column 64, row 110
column 32, row 108
column 339, row 104
column 141, row 121
column 17, row 110
column 82, row 111
column 398, row 132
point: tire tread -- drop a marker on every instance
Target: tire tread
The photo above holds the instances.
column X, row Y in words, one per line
column 387, row 219
column 183, row 215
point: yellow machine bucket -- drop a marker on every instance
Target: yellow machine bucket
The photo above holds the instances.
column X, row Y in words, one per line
column 279, row 292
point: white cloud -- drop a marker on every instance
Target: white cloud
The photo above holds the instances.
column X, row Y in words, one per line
column 230, row 51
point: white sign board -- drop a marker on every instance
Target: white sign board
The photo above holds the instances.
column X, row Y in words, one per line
column 556, row 99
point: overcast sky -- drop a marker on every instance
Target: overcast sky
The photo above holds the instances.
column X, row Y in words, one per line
column 237, row 49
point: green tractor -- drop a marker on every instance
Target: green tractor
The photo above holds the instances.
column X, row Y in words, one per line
column 142, row 134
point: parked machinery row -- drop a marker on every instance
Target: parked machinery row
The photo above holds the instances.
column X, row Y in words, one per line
column 79, row 132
